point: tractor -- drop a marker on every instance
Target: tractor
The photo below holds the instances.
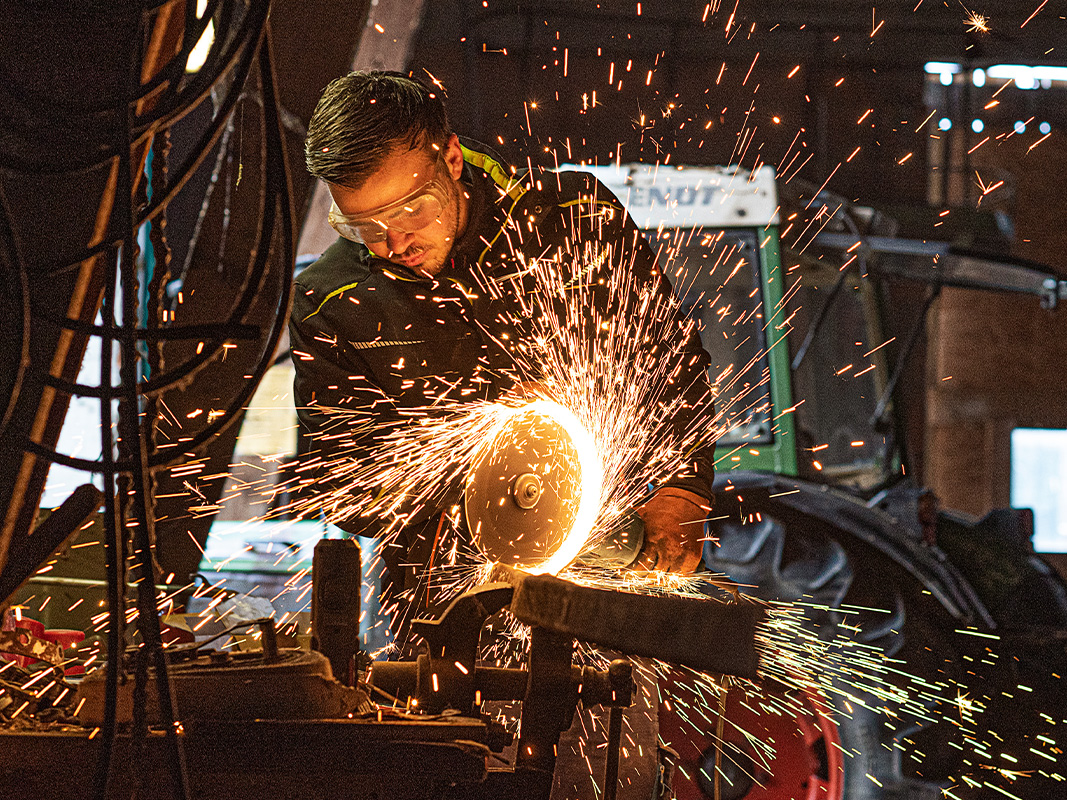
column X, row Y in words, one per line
column 791, row 288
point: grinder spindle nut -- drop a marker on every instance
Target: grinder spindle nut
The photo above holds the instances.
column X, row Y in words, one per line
column 527, row 490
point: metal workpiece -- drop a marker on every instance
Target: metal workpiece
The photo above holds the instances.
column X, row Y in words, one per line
column 336, row 579
column 707, row 635
column 703, row 634
column 550, row 687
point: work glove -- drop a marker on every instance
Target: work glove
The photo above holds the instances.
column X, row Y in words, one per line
column 674, row 530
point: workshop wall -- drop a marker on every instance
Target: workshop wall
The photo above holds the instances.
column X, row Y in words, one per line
column 997, row 362
column 524, row 77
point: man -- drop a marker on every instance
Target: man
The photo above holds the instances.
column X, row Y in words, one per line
column 389, row 318
column 395, row 316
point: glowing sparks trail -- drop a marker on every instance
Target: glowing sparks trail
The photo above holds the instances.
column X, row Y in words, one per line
column 605, row 377
column 977, row 23
column 604, row 350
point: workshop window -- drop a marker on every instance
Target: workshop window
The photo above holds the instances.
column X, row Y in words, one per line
column 1039, row 482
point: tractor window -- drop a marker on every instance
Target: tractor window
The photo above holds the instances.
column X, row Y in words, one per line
column 715, row 274
column 839, row 379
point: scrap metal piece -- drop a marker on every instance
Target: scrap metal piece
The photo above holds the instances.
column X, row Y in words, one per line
column 706, row 635
column 21, row 642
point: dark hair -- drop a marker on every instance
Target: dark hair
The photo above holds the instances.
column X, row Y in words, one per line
column 364, row 117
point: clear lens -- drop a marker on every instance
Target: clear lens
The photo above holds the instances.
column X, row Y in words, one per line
column 412, row 215
column 415, row 215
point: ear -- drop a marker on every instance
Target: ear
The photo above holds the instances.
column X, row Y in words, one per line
column 453, row 156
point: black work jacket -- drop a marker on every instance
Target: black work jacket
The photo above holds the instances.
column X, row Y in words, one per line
column 370, row 334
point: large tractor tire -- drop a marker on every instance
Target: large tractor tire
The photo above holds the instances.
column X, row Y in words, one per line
column 861, row 580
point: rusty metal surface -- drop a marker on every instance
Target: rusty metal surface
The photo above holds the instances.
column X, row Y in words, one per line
column 703, row 634
column 21, row 642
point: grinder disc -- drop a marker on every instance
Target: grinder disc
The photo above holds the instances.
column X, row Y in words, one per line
column 524, row 491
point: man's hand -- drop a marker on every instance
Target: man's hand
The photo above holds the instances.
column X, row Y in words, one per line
column 674, row 530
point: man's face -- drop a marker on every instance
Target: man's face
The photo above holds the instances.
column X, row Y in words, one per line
column 405, row 173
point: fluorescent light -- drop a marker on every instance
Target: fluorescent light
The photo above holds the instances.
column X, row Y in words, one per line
column 977, row 126
column 1027, row 77
column 944, row 124
column 936, row 67
column 978, row 77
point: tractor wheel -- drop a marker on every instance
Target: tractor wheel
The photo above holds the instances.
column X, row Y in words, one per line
column 824, row 748
column 806, row 763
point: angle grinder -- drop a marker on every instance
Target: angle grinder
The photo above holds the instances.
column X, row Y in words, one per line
column 534, row 492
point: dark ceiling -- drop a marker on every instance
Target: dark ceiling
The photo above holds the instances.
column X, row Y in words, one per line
column 803, row 71
column 909, row 32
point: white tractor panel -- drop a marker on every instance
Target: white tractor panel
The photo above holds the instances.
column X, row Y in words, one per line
column 689, row 197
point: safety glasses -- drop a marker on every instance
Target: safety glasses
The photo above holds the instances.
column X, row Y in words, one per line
column 407, row 215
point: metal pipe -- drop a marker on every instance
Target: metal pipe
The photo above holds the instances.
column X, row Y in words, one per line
column 611, row 769
column 902, row 357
